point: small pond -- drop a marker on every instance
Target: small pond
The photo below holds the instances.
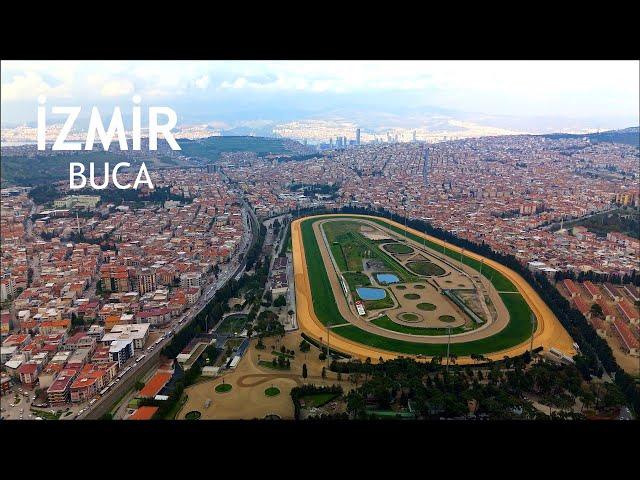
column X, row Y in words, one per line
column 368, row 293
column 387, row 278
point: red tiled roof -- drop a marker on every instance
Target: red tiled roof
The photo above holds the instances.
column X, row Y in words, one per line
column 144, row 413
column 153, row 386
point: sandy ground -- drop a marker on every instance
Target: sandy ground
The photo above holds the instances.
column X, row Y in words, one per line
column 549, row 332
column 247, row 400
column 628, row 363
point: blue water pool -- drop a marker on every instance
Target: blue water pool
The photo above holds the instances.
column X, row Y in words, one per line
column 368, row 293
column 387, row 278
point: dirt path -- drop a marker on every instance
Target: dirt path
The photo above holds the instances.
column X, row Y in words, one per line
column 549, row 332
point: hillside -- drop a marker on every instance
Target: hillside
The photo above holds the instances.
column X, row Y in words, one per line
column 210, row 148
column 628, row 136
column 28, row 167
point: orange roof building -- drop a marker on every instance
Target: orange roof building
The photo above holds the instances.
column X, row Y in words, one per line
column 143, row 413
column 153, row 386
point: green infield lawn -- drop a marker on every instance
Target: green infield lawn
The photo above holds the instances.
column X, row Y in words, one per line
column 398, row 248
column 349, row 248
column 356, row 279
column 422, row 267
column 388, row 324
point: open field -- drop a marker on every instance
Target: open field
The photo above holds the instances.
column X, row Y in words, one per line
column 317, row 271
column 257, row 391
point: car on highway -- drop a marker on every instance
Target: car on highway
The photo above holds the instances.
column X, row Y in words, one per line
column 94, row 400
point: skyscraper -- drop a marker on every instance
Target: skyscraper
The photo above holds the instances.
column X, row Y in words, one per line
column 357, row 136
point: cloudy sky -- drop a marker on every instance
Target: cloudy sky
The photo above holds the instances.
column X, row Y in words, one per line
column 232, row 91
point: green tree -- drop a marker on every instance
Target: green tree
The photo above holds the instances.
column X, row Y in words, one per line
column 324, row 372
column 304, row 370
column 280, row 301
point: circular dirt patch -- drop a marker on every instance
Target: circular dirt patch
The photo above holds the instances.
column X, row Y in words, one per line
column 446, row 318
column 272, row 391
column 429, row 307
column 411, row 296
column 193, row 415
column 223, row 388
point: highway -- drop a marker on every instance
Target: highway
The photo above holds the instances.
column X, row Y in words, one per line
column 104, row 404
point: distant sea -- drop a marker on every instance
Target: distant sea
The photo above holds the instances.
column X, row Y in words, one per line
column 15, row 144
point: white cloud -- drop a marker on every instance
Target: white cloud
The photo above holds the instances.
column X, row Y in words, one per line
column 117, row 88
column 202, row 82
column 29, row 85
column 520, row 87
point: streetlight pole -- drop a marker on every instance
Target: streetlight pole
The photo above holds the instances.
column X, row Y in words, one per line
column 448, row 347
column 533, row 321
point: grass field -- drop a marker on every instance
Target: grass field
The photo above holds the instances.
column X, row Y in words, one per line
column 356, row 279
column 387, row 323
column 422, row 267
column 232, row 324
column 517, row 331
column 446, row 318
column 318, row 399
column 428, row 307
column 386, row 302
column 398, row 248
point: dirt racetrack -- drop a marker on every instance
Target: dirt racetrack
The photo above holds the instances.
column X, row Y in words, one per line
column 549, row 332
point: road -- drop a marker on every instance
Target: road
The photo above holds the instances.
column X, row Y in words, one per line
column 104, row 404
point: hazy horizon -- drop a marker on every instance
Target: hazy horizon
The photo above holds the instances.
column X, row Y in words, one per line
column 255, row 96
